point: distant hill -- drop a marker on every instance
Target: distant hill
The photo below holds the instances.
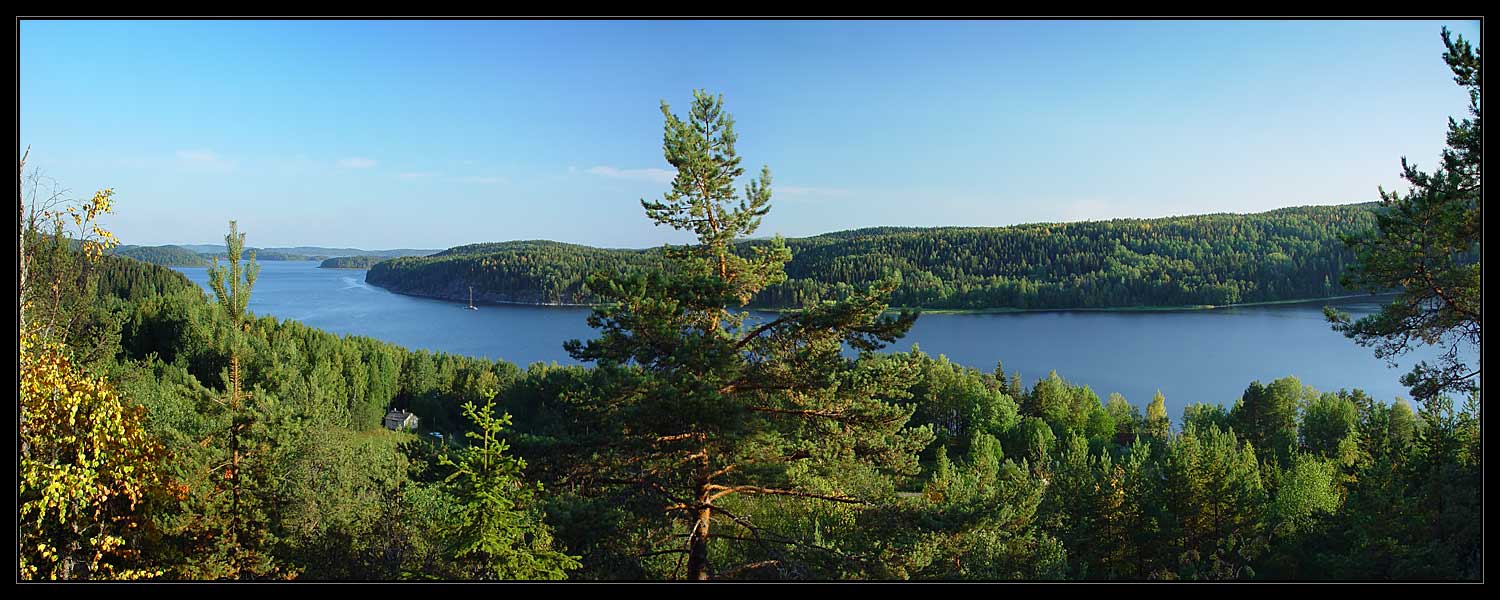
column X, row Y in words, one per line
column 522, row 246
column 1214, row 259
column 310, row 251
column 166, row 256
column 263, row 254
column 351, row 262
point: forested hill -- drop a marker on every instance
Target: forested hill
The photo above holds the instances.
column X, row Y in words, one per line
column 351, row 262
column 167, row 256
column 218, row 249
column 1216, row 259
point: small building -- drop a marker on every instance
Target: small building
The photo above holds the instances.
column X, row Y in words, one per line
column 400, row 420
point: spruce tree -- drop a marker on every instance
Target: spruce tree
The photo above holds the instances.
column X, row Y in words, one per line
column 499, row 533
column 698, row 405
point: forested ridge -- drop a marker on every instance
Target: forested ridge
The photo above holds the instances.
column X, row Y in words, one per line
column 167, row 256
column 1218, row 259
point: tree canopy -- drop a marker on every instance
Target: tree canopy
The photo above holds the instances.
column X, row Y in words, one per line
column 1289, row 253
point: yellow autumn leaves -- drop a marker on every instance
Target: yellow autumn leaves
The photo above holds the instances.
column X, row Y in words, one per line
column 86, row 462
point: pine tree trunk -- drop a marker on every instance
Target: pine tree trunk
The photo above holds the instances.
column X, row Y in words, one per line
column 697, row 566
column 698, row 548
column 234, row 465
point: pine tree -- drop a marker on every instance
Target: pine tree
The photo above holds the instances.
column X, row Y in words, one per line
column 1266, row 416
column 698, row 406
column 1427, row 247
column 1215, row 502
column 246, row 536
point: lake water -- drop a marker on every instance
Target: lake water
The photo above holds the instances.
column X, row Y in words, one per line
column 1191, row 355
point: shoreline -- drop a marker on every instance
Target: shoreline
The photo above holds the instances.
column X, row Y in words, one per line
column 1185, row 307
column 480, row 302
column 949, row 311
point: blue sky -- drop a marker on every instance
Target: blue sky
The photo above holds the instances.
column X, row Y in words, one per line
column 385, row 134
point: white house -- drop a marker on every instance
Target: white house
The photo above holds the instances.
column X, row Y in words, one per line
column 398, row 420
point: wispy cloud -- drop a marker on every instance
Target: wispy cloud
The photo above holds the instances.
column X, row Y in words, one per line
column 417, row 175
column 357, row 162
column 653, row 175
column 205, row 159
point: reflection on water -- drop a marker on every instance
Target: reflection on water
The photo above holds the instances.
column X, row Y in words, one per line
column 1191, row 356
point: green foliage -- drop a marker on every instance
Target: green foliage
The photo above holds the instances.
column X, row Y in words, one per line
column 356, row 502
column 704, row 443
column 242, row 538
column 1158, row 424
column 351, row 262
column 167, row 256
column 267, row 255
column 1194, row 260
column 1307, row 490
column 692, row 404
column 500, row 533
column 1402, row 424
column 960, row 403
column 1266, row 415
column 1329, row 426
column 232, row 282
column 974, row 520
column 1033, row 440
column 535, row 272
column 1203, row 415
column 1215, row 505
column 1128, row 420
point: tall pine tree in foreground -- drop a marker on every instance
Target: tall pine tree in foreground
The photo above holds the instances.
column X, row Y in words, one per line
column 698, row 407
column 244, row 545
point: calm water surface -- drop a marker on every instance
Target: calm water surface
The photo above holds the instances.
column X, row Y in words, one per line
column 1191, row 356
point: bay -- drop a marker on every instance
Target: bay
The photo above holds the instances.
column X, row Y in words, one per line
column 1190, row 356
